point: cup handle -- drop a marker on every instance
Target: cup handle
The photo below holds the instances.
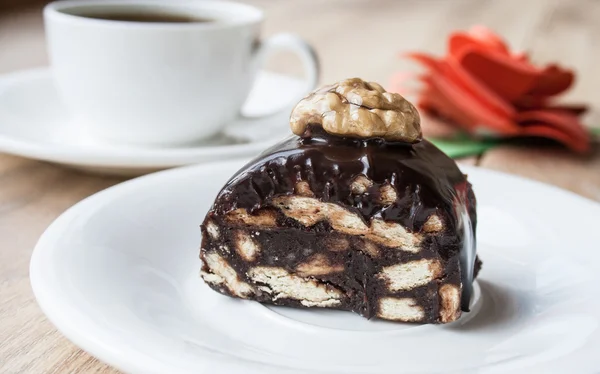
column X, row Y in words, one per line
column 271, row 122
column 306, row 54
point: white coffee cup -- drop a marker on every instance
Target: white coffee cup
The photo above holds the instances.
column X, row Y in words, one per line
column 160, row 83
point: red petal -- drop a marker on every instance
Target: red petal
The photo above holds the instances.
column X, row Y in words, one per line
column 491, row 39
column 562, row 121
column 574, row 109
column 478, row 36
column 458, row 41
column 510, row 79
column 541, row 130
column 480, row 91
column 453, row 71
column 437, row 105
column 528, row 102
column 428, row 61
column 521, row 57
column 553, row 81
column 456, row 104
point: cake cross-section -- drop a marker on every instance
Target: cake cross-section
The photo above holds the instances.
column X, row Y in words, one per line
column 355, row 211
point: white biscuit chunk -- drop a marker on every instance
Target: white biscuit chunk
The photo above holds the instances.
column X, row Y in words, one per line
column 283, row 285
column 412, row 274
column 245, row 246
column 400, row 309
column 221, row 273
column 450, row 303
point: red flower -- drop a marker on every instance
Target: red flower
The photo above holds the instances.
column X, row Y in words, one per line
column 484, row 88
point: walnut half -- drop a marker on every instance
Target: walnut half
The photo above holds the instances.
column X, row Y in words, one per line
column 359, row 109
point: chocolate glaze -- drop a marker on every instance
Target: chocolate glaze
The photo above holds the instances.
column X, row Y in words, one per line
column 426, row 180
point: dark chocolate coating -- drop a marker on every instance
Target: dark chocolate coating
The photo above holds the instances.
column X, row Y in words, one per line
column 426, row 180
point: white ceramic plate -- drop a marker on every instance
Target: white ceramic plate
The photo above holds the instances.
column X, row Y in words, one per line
column 34, row 123
column 118, row 275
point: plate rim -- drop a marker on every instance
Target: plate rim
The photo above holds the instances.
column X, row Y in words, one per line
column 45, row 294
column 137, row 157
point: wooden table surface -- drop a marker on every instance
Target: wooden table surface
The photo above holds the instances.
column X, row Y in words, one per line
column 354, row 38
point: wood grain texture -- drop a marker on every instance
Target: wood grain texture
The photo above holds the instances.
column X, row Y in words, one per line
column 353, row 38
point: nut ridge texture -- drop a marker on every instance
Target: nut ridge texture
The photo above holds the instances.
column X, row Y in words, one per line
column 359, row 109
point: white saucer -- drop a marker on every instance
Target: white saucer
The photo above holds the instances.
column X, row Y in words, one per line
column 118, row 274
column 35, row 124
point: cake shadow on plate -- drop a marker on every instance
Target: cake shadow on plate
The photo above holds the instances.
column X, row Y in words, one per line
column 496, row 309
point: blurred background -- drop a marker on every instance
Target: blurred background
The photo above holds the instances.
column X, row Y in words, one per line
column 365, row 37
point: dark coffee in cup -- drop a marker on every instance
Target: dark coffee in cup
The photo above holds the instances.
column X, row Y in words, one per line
column 148, row 16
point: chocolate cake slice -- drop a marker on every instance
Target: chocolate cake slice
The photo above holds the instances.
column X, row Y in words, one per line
column 354, row 212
